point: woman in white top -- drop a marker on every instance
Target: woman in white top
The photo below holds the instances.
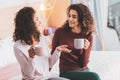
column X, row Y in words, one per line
column 30, row 47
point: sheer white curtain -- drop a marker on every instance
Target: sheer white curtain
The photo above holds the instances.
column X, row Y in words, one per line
column 101, row 11
column 97, row 15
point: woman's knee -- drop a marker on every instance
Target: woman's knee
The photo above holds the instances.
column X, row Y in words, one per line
column 94, row 76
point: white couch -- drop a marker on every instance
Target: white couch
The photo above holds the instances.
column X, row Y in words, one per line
column 105, row 63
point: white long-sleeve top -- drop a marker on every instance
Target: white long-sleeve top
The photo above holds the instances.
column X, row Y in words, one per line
column 36, row 68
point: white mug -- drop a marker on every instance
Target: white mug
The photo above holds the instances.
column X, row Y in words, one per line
column 38, row 51
column 79, row 43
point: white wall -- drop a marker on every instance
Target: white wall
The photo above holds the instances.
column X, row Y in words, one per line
column 109, row 36
column 111, row 41
column 11, row 3
column 111, row 2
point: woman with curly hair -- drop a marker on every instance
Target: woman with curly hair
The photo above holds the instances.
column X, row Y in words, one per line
column 30, row 48
column 74, row 62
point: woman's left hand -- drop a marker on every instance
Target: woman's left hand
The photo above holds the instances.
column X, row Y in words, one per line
column 63, row 48
column 86, row 44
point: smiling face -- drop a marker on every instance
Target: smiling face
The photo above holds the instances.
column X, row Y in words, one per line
column 73, row 18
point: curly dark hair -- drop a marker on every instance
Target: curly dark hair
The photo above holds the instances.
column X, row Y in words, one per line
column 85, row 18
column 25, row 28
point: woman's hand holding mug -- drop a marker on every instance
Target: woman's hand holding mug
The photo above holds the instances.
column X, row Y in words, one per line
column 86, row 44
column 31, row 52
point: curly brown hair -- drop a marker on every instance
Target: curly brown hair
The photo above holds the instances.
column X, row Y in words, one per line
column 85, row 18
column 25, row 27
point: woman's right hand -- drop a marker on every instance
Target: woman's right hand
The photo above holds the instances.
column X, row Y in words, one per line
column 31, row 52
column 63, row 48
